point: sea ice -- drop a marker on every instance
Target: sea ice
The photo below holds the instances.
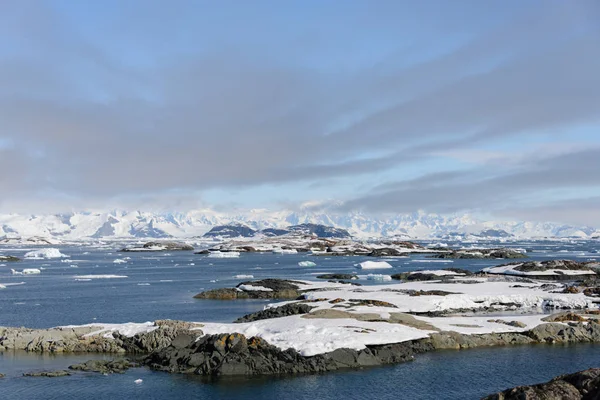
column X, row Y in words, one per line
column 374, row 265
column 44, row 253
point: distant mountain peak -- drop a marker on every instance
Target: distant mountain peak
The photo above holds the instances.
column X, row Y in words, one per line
column 142, row 224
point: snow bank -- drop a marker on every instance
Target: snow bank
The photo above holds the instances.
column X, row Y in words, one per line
column 44, row 254
column 249, row 288
column 285, row 251
column 374, row 265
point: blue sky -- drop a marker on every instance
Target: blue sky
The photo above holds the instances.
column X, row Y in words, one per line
column 377, row 106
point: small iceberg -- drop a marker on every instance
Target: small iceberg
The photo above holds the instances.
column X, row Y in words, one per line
column 374, row 265
column 44, row 254
column 224, row 254
column 244, row 277
column 26, row 271
column 138, row 381
column 307, row 264
column 120, row 261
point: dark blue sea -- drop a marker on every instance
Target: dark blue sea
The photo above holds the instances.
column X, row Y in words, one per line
column 162, row 285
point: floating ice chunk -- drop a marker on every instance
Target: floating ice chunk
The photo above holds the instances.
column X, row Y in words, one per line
column 244, row 276
column 223, row 254
column 307, row 264
column 26, row 271
column 143, row 284
column 44, row 253
column 120, row 261
column 79, row 277
column 374, row 265
column 138, row 381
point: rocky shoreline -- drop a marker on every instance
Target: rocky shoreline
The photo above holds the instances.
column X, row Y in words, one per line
column 582, row 385
column 181, row 347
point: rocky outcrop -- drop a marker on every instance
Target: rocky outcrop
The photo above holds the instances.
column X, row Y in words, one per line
column 234, row 354
column 480, row 254
column 582, row 385
column 337, row 276
column 48, row 374
column 160, row 246
column 276, row 312
column 265, row 289
column 77, row 339
column 105, row 366
column 550, row 269
column 9, row 259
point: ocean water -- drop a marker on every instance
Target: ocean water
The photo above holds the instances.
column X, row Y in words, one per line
column 162, row 285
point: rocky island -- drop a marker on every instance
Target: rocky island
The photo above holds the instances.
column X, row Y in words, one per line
column 327, row 326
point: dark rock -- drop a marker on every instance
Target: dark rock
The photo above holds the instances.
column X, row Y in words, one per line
column 224, row 355
column 48, row 374
column 9, row 259
column 160, row 246
column 104, row 366
column 280, row 289
column 164, row 335
column 337, row 276
column 480, row 254
column 276, row 312
column 580, row 385
column 569, row 265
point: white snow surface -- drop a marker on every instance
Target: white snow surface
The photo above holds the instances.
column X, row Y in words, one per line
column 436, row 272
column 250, row 288
column 311, row 336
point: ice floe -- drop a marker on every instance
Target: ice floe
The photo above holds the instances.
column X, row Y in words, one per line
column 45, row 254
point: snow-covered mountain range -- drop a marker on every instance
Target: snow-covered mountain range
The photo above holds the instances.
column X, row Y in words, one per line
column 138, row 224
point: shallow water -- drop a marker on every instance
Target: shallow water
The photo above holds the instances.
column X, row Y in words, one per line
column 160, row 285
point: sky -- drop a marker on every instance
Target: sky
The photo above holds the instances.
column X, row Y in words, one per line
column 376, row 106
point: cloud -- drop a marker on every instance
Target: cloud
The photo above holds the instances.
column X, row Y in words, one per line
column 477, row 189
column 151, row 106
